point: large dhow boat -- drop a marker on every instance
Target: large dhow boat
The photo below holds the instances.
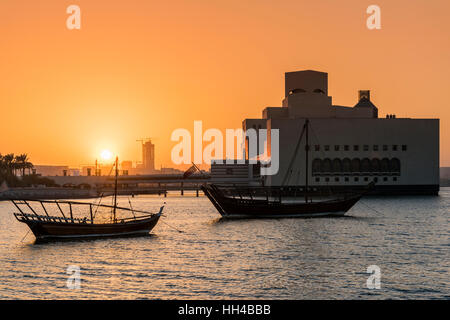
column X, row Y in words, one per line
column 60, row 220
column 233, row 201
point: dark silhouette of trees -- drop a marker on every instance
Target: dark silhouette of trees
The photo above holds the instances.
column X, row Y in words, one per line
column 11, row 166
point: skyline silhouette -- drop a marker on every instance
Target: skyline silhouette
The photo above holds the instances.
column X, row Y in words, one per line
column 145, row 69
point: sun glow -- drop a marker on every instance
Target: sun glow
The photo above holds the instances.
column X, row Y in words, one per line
column 106, row 155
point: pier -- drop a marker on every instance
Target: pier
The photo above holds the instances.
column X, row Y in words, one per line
column 135, row 184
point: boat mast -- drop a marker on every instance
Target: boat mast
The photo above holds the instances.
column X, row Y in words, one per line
column 306, row 166
column 115, row 190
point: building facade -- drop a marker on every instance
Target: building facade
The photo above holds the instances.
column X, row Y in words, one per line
column 237, row 173
column 349, row 146
column 148, row 156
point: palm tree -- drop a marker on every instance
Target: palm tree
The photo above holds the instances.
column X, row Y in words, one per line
column 22, row 163
column 2, row 168
column 17, row 164
column 29, row 166
column 9, row 164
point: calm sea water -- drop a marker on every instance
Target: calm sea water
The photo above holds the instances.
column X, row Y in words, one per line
column 322, row 258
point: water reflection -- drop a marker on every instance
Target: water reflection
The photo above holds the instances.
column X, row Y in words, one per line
column 215, row 258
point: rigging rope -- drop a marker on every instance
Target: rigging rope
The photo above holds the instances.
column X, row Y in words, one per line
column 180, row 231
column 369, row 207
column 131, row 207
column 289, row 169
column 98, row 205
column 25, row 235
column 101, row 196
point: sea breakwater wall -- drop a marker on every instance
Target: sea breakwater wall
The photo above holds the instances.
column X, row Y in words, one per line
column 47, row 193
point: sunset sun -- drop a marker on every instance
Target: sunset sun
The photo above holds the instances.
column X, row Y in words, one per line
column 106, row 155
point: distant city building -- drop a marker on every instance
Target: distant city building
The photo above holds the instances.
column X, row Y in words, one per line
column 49, row 170
column 445, row 177
column 148, row 156
column 349, row 146
column 170, row 171
column 75, row 172
column 99, row 170
column 235, row 173
column 126, row 165
column 88, row 170
column 445, row 173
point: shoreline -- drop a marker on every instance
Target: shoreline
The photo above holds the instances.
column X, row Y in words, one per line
column 48, row 193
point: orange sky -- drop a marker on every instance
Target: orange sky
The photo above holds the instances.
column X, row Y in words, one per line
column 144, row 68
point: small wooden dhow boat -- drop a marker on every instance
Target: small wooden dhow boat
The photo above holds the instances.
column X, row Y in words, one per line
column 47, row 225
column 59, row 220
column 278, row 202
column 282, row 201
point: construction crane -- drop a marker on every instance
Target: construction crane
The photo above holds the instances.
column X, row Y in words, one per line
column 142, row 141
column 145, row 140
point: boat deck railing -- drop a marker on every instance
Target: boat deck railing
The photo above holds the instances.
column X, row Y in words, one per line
column 278, row 194
column 75, row 212
column 36, row 217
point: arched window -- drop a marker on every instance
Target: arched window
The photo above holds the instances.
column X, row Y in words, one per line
column 365, row 165
column 375, row 165
column 384, row 165
column 394, row 165
column 346, row 165
column 356, row 165
column 326, row 165
column 337, row 166
column 316, row 166
column 293, row 91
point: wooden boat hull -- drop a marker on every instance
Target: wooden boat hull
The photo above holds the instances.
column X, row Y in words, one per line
column 251, row 208
column 47, row 230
